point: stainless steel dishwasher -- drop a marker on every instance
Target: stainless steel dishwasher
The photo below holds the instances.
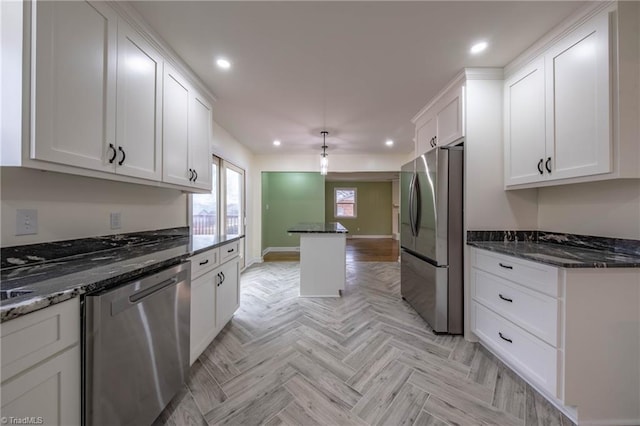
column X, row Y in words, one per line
column 136, row 348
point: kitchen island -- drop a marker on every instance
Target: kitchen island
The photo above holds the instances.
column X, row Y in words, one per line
column 322, row 258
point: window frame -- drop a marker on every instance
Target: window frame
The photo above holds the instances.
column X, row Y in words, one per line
column 335, row 202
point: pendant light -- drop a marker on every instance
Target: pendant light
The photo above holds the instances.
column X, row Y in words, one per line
column 324, row 161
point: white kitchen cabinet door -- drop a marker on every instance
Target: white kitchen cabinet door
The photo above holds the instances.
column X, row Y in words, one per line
column 200, row 141
column 227, row 291
column 175, row 128
column 139, row 106
column 524, row 114
column 203, row 313
column 426, row 135
column 74, row 83
column 49, row 391
column 578, row 103
column 449, row 117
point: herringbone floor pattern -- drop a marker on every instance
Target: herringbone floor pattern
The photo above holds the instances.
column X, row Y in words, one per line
column 363, row 359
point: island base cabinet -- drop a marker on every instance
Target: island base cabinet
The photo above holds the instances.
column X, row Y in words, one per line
column 48, row 394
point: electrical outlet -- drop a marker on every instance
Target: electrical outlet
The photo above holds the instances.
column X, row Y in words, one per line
column 116, row 220
column 26, row 222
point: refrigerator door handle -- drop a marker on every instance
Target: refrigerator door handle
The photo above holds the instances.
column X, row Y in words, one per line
column 411, row 196
column 418, row 200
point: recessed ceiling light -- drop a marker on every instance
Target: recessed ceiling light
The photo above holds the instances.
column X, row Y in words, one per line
column 479, row 47
column 389, row 142
column 276, row 143
column 223, row 63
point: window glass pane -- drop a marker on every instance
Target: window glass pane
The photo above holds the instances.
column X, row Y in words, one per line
column 345, row 209
column 205, row 208
column 345, row 196
column 233, row 196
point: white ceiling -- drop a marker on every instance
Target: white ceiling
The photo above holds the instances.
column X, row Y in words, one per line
column 360, row 70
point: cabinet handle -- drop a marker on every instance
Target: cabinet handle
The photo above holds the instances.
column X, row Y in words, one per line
column 219, row 279
column 195, row 178
column 505, row 266
column 505, row 298
column 230, row 250
column 123, row 156
column 540, row 166
column 190, row 175
column 115, row 153
column 204, row 262
column 504, row 338
column 547, row 164
column 435, row 141
column 222, row 273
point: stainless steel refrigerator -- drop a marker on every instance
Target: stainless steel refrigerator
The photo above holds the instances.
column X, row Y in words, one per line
column 431, row 237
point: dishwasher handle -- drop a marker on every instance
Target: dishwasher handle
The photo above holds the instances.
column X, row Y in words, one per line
column 136, row 297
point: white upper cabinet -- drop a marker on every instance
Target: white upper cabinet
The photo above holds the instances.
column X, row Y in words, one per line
column 186, row 134
column 175, row 132
column 525, row 134
column 560, row 110
column 200, row 141
column 75, row 83
column 578, row 102
column 441, row 121
column 139, row 106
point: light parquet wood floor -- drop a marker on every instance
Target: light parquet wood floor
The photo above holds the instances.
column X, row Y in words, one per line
column 366, row 358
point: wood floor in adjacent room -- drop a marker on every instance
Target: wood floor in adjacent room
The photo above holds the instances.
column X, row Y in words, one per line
column 358, row 249
column 364, row 359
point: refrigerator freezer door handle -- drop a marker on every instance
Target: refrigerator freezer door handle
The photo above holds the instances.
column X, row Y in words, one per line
column 411, row 196
column 416, row 221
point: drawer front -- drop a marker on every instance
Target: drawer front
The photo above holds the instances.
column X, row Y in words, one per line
column 204, row 262
column 229, row 251
column 526, row 353
column 29, row 339
column 531, row 310
column 534, row 275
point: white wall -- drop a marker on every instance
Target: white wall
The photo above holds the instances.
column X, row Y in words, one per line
column 75, row 207
column 607, row 208
column 487, row 205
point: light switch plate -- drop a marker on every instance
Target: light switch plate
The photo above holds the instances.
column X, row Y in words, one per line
column 116, row 220
column 26, row 222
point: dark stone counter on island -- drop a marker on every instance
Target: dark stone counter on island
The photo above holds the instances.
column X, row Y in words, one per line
column 318, row 228
column 562, row 250
column 40, row 275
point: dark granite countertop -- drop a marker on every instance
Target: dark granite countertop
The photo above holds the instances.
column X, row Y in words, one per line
column 318, row 228
column 557, row 249
column 58, row 271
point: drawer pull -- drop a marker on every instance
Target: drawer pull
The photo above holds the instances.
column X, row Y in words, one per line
column 506, row 299
column 230, row 250
column 204, row 262
column 504, row 338
column 505, row 266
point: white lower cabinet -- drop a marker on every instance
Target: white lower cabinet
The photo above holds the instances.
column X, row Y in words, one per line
column 572, row 333
column 41, row 366
column 215, row 295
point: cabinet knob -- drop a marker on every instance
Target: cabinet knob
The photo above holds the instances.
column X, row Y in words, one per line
column 540, row 166
column 123, row 156
column 115, row 153
column 547, row 165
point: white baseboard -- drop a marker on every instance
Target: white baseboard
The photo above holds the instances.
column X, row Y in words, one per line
column 276, row 249
column 370, row 236
column 253, row 261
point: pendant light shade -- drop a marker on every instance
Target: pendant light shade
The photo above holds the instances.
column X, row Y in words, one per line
column 324, row 161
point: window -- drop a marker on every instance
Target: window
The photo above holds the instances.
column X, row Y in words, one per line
column 345, row 202
column 204, row 207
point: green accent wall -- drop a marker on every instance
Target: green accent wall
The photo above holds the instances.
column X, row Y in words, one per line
column 373, row 207
column 289, row 198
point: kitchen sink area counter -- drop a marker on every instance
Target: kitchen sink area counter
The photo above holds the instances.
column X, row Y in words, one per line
column 39, row 275
column 557, row 249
